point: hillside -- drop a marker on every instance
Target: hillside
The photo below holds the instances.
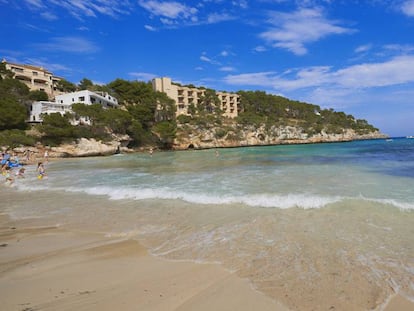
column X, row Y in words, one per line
column 148, row 118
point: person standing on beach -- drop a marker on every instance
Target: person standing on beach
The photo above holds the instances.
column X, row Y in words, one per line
column 46, row 156
column 27, row 154
column 6, row 157
column 41, row 172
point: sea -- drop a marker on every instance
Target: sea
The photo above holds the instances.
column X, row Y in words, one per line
column 316, row 227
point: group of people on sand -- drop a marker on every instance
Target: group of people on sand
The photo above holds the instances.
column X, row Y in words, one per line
column 12, row 169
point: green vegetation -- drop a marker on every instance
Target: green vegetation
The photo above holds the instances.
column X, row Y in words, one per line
column 261, row 108
column 148, row 117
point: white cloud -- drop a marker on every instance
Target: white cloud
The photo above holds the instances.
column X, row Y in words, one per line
column 143, row 76
column 408, row 8
column 399, row 70
column 49, row 16
column 169, row 9
column 68, row 44
column 264, row 79
column 400, row 48
column 292, row 31
column 395, row 71
column 260, row 49
column 214, row 18
column 363, row 48
column 173, row 13
column 34, row 3
column 45, row 63
column 206, row 59
column 227, row 68
column 80, row 8
column 150, row 28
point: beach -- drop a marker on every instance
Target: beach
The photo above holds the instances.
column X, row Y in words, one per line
column 320, row 227
column 45, row 266
column 48, row 266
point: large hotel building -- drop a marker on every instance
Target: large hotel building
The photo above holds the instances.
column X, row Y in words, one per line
column 36, row 78
column 184, row 96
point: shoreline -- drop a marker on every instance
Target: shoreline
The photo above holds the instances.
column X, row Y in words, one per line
column 38, row 152
column 75, row 266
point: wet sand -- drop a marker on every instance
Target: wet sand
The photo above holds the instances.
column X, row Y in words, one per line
column 46, row 267
column 75, row 266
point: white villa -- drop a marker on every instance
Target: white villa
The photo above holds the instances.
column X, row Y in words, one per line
column 184, row 96
column 63, row 104
column 88, row 98
column 39, row 108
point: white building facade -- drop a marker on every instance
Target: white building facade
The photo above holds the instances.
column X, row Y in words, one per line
column 88, row 98
column 63, row 104
column 40, row 108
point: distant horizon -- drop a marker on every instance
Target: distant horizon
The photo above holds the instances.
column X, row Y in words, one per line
column 356, row 57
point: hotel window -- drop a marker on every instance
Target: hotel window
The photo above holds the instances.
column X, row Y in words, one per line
column 82, row 98
column 34, row 73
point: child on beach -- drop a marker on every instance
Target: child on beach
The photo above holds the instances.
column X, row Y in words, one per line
column 8, row 176
column 20, row 173
column 41, row 172
column 3, row 169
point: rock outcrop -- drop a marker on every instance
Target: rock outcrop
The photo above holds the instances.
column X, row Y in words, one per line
column 193, row 137
column 85, row 148
column 81, row 148
column 200, row 138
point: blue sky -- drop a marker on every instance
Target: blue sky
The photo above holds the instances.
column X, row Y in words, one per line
column 353, row 56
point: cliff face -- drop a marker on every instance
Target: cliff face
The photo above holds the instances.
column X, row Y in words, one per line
column 199, row 138
column 193, row 137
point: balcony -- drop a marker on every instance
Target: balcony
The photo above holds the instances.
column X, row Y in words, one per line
column 40, row 80
column 23, row 78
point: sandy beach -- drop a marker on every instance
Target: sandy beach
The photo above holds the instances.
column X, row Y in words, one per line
column 48, row 267
column 44, row 267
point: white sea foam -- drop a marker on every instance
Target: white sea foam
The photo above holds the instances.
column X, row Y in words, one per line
column 400, row 205
column 282, row 201
column 261, row 200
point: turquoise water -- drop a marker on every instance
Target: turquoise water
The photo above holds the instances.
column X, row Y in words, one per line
column 306, row 176
column 313, row 226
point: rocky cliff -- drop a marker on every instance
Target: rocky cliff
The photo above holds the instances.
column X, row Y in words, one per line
column 199, row 138
column 194, row 137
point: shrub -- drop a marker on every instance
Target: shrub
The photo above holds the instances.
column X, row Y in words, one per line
column 15, row 138
column 182, row 119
